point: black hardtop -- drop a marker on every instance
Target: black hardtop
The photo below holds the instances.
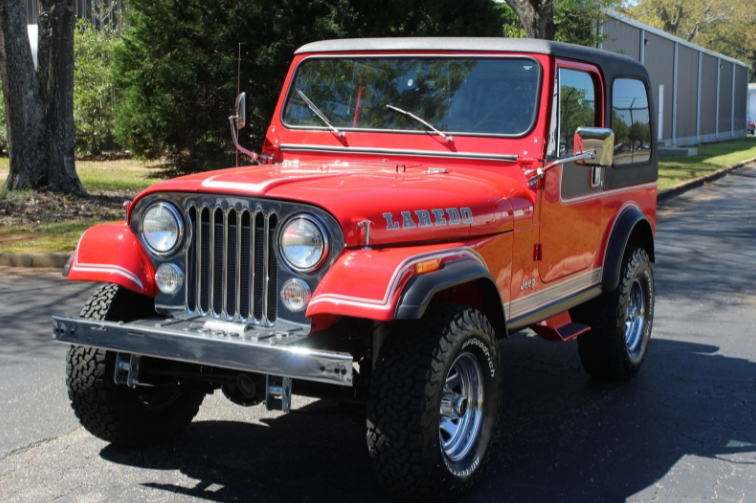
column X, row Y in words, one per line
column 612, row 66
column 610, row 63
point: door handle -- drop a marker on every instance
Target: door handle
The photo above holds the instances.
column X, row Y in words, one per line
column 597, row 176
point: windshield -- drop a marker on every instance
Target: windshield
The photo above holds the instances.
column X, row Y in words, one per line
column 487, row 96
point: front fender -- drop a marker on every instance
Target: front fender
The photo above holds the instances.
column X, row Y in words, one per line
column 367, row 283
column 111, row 253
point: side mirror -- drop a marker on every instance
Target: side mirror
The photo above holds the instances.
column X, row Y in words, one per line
column 600, row 140
column 241, row 110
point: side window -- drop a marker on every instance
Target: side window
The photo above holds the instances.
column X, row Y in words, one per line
column 577, row 106
column 630, row 122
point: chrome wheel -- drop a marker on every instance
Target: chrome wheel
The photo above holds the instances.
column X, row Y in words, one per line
column 461, row 411
column 635, row 318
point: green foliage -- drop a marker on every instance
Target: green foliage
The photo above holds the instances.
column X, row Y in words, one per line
column 93, row 90
column 512, row 26
column 176, row 67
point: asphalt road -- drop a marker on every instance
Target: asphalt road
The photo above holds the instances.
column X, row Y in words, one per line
column 683, row 430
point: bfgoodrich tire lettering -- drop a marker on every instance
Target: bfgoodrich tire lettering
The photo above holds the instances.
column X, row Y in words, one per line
column 409, row 382
column 116, row 413
column 609, row 350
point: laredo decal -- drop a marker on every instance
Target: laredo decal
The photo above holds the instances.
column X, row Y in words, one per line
column 423, row 218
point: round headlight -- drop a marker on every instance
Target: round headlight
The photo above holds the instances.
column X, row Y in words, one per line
column 162, row 227
column 304, row 244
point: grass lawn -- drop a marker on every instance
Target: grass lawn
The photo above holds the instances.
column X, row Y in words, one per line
column 59, row 237
column 116, row 175
column 710, row 158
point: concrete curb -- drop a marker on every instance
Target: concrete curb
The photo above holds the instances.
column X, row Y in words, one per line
column 667, row 194
column 57, row 260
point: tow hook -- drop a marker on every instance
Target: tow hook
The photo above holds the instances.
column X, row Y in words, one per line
column 278, row 393
column 127, row 370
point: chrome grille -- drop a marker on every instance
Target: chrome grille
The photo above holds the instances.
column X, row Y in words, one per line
column 232, row 270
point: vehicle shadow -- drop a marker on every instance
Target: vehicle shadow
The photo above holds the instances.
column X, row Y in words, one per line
column 562, row 436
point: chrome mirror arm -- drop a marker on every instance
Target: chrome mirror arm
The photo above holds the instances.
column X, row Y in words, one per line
column 539, row 172
column 253, row 155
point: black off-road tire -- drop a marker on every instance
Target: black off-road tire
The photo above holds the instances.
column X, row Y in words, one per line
column 405, row 399
column 116, row 413
column 603, row 350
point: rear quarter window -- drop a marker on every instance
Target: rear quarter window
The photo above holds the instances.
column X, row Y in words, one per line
column 630, row 122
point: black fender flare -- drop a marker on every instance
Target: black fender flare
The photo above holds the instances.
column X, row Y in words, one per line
column 419, row 291
column 630, row 223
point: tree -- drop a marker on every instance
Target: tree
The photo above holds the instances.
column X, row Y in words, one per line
column 536, row 16
column 3, row 127
column 39, row 103
column 685, row 18
column 571, row 21
column 176, row 66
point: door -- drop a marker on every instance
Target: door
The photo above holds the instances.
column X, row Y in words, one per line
column 571, row 195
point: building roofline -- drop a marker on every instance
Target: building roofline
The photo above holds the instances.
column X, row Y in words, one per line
column 663, row 34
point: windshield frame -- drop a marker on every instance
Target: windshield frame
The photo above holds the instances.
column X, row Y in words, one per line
column 533, row 119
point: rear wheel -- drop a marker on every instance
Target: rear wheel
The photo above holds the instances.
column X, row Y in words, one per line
column 620, row 322
column 434, row 399
column 115, row 413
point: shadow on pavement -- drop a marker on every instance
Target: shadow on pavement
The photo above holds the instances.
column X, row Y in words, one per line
column 562, row 436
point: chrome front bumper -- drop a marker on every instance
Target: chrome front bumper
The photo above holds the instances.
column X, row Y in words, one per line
column 278, row 353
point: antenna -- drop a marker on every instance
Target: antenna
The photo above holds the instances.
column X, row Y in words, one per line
column 238, row 81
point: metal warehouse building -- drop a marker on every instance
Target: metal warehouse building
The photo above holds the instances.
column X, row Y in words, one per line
column 700, row 96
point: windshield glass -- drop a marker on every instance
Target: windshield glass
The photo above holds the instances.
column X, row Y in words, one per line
column 456, row 95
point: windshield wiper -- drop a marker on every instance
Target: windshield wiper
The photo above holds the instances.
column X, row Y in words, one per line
column 319, row 114
column 421, row 121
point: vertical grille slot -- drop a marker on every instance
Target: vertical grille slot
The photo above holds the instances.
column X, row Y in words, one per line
column 231, row 274
column 191, row 261
column 259, row 276
column 232, row 271
column 218, row 261
column 245, row 266
column 204, row 260
column 272, row 272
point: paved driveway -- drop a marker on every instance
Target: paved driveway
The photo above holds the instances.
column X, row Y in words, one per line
column 683, row 430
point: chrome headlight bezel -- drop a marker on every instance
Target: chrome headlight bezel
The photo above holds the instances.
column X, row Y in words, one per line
column 324, row 235
column 180, row 225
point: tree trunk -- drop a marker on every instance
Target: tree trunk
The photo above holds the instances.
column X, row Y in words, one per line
column 536, row 16
column 39, row 105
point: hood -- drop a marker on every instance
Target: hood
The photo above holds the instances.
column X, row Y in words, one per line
column 405, row 203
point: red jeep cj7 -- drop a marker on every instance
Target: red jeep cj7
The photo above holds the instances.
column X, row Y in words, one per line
column 415, row 201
